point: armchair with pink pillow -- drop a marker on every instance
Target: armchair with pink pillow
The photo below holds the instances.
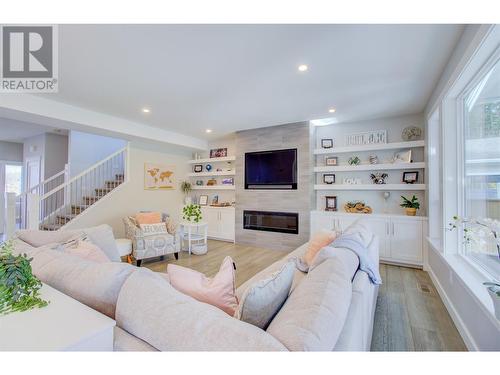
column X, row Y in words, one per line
column 153, row 234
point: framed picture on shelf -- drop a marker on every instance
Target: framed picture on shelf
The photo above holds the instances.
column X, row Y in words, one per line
column 402, row 157
column 410, row 177
column 331, row 160
column 198, row 168
column 327, row 143
column 203, row 201
column 331, row 203
column 329, row 179
column 218, row 152
column 228, row 181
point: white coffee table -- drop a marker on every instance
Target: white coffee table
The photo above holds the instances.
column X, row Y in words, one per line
column 64, row 325
column 194, row 234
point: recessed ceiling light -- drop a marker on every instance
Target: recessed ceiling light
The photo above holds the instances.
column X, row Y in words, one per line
column 146, row 110
column 208, row 131
column 303, row 68
column 332, row 110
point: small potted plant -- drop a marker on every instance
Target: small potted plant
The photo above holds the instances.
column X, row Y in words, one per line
column 19, row 288
column 186, row 188
column 192, row 213
column 411, row 206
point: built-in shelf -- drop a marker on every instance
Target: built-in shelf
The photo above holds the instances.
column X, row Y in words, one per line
column 213, row 187
column 215, row 173
column 381, row 215
column 375, row 147
column 383, row 187
column 212, row 160
column 370, row 167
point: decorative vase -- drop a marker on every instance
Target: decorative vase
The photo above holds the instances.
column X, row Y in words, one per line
column 496, row 301
column 411, row 211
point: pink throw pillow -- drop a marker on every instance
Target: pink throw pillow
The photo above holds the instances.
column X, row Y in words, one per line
column 148, row 218
column 318, row 241
column 219, row 291
column 88, row 251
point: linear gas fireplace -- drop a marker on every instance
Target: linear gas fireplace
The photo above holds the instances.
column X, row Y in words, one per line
column 283, row 222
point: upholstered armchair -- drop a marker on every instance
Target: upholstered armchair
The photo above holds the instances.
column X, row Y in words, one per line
column 147, row 245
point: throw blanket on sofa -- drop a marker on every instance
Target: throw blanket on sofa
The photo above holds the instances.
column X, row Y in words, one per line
column 366, row 264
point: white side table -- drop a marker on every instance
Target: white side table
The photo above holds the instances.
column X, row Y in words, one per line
column 194, row 233
column 124, row 246
column 63, row 325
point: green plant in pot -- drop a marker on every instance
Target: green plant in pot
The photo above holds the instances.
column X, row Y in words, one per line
column 411, row 205
column 19, row 288
column 192, row 213
column 186, row 188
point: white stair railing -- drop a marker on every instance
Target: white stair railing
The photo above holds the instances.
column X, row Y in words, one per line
column 67, row 200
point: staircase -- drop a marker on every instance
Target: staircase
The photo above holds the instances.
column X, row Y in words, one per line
column 87, row 201
column 54, row 209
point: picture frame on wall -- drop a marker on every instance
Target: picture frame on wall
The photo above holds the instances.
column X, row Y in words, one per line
column 331, row 160
column 327, row 143
column 203, row 201
column 198, row 168
column 218, row 152
column 331, row 203
column 329, row 178
column 410, row 177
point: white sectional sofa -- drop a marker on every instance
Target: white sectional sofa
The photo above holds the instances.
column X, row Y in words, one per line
column 330, row 308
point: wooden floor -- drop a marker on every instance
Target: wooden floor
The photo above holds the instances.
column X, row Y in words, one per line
column 410, row 315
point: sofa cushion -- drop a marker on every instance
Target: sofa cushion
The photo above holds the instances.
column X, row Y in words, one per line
column 125, row 342
column 37, row 238
column 219, row 291
column 103, row 237
column 313, row 317
column 263, row 300
column 318, row 241
column 86, row 250
column 96, row 285
column 152, row 310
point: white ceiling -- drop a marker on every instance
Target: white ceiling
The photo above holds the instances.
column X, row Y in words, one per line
column 234, row 77
column 18, row 131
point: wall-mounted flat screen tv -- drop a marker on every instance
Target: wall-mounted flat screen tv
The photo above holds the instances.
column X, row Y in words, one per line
column 276, row 169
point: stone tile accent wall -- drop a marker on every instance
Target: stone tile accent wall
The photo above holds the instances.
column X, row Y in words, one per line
column 294, row 135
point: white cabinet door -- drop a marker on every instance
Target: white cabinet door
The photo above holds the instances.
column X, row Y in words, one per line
column 406, row 240
column 227, row 223
column 381, row 228
column 342, row 222
column 211, row 216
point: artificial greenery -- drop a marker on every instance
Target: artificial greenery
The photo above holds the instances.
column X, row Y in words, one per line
column 19, row 288
column 186, row 187
column 413, row 203
column 191, row 212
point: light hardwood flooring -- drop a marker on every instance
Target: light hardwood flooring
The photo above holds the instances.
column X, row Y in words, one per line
column 410, row 315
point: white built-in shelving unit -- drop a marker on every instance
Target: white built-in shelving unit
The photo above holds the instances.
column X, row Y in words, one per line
column 221, row 163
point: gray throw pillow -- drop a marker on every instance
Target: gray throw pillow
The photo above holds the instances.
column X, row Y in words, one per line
column 102, row 236
column 263, row 300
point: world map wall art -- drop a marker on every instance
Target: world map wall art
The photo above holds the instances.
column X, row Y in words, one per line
column 159, row 177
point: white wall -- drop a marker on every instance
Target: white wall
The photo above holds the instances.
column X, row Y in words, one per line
column 131, row 197
column 56, row 154
column 87, row 149
column 10, row 151
column 374, row 199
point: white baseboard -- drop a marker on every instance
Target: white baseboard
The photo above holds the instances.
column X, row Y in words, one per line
column 461, row 327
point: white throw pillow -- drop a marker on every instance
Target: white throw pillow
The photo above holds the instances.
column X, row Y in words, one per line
column 103, row 237
column 157, row 228
column 263, row 300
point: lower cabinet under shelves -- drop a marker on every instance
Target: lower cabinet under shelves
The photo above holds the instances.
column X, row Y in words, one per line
column 221, row 222
column 401, row 238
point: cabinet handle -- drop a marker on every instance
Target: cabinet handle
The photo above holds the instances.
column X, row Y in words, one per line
column 393, row 229
column 387, row 228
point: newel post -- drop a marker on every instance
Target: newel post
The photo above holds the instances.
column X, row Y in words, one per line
column 33, row 211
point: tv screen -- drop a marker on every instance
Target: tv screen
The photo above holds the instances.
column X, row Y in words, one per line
column 275, row 169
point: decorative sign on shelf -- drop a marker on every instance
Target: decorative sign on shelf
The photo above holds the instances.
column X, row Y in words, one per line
column 366, row 138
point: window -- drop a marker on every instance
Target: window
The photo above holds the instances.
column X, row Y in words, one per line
column 482, row 167
column 13, row 179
